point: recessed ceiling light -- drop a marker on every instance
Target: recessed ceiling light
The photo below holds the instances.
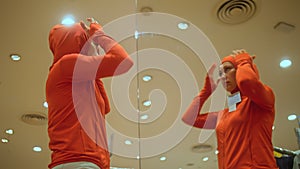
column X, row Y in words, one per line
column 216, row 152
column 163, row 158
column 136, row 34
column 147, row 103
column 285, row 63
column 15, row 57
column 205, row 159
column 137, row 157
column 273, row 127
column 292, row 117
column 128, row 142
column 183, row 25
column 37, row 149
column 4, row 140
column 144, row 117
column 45, row 104
column 147, row 78
column 68, row 20
column 9, row 131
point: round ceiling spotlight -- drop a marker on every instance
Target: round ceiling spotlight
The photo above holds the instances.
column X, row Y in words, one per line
column 9, row 131
column 147, row 78
column 68, row 20
column 285, row 63
column 236, row 11
column 4, row 140
column 183, row 25
column 144, row 117
column 37, row 149
column 15, row 57
column 128, row 142
column 147, row 103
column 292, row 117
column 45, row 104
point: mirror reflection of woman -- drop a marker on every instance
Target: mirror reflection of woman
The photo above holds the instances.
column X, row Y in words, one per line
column 244, row 128
column 76, row 96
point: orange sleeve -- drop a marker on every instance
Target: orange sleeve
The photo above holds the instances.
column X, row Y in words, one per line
column 83, row 68
column 192, row 116
column 249, row 84
column 115, row 62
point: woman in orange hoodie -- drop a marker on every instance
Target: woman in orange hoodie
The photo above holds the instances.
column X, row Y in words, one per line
column 77, row 101
column 244, row 129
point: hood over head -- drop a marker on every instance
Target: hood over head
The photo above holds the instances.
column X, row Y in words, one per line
column 232, row 60
column 66, row 40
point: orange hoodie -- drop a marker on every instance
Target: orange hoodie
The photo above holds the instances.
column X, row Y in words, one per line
column 244, row 135
column 76, row 96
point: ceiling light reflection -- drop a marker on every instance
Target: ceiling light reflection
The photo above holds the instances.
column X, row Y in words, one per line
column 4, row 140
column 147, row 78
column 45, row 104
column 37, row 149
column 285, row 63
column 147, row 103
column 15, row 57
column 128, row 142
column 144, row 117
column 163, row 158
column 183, row 25
column 9, row 131
column 205, row 159
column 292, row 117
column 68, row 20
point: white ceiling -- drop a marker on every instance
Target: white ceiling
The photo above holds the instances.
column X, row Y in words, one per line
column 24, row 30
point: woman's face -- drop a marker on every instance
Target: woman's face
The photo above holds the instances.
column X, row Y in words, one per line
column 227, row 74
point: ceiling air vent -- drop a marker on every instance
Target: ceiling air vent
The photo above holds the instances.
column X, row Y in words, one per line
column 236, row 11
column 34, row 118
column 201, row 148
column 284, row 27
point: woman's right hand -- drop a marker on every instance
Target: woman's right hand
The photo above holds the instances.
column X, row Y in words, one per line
column 94, row 26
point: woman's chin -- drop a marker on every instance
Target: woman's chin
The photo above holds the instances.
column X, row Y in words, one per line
column 229, row 89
